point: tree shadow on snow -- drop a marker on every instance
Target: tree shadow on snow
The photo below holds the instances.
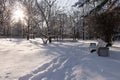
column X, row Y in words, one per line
column 115, row 55
column 61, row 67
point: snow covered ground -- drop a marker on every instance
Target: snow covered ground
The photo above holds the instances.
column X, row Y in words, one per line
column 31, row 60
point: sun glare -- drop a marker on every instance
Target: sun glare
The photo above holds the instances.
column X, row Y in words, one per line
column 18, row 14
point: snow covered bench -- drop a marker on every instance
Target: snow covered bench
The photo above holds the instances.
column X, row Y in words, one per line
column 100, row 48
column 103, row 51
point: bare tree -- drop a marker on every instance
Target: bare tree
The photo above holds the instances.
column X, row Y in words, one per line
column 46, row 13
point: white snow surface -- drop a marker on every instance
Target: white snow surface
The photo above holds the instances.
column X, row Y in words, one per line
column 31, row 60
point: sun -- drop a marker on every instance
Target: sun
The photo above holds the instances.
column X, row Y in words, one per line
column 18, row 13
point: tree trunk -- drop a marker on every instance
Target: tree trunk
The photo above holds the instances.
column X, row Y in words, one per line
column 50, row 39
column 28, row 37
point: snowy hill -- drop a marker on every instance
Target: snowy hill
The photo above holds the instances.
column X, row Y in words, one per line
column 31, row 60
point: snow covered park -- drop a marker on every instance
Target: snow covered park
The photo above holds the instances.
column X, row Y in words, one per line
column 31, row 60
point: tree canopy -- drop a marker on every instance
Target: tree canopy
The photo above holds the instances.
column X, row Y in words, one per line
column 98, row 5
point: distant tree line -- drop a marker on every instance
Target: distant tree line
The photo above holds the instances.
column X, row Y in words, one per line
column 45, row 19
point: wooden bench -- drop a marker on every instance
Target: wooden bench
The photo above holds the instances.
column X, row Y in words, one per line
column 100, row 48
column 103, row 51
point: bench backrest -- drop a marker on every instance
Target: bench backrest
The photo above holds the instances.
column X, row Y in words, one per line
column 101, row 43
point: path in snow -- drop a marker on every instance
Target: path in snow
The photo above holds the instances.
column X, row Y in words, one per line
column 61, row 67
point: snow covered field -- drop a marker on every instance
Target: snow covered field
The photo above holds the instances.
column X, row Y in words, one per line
column 31, row 60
